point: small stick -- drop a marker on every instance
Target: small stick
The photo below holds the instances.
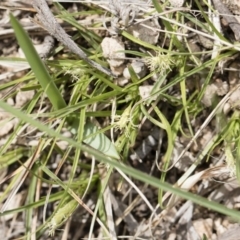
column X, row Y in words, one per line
column 228, row 16
column 49, row 22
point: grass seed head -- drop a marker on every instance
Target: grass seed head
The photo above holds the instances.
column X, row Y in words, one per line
column 61, row 216
column 123, row 120
column 160, row 63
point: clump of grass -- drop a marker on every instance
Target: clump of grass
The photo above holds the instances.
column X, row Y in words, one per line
column 84, row 104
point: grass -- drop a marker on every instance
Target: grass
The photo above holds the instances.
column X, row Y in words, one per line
column 104, row 124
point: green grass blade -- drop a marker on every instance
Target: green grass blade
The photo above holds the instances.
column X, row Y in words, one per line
column 126, row 169
column 37, row 65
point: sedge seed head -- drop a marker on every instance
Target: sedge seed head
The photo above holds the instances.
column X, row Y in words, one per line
column 123, row 120
column 230, row 161
column 160, row 63
column 74, row 72
column 61, row 216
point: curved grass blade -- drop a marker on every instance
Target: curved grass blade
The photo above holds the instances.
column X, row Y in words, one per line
column 126, row 169
column 37, row 65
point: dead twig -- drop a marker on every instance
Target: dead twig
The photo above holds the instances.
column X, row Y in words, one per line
column 48, row 21
column 228, row 16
